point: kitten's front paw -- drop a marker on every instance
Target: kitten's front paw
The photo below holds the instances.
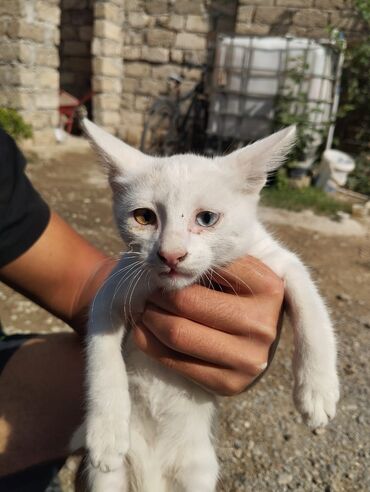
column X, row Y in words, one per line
column 316, row 400
column 107, row 443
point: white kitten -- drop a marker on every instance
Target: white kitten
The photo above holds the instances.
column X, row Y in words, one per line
column 147, row 428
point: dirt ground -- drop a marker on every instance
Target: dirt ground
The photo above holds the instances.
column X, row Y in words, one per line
column 262, row 443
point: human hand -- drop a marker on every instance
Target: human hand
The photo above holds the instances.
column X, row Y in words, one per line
column 219, row 339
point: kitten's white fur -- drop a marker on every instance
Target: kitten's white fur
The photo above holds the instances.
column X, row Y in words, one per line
column 147, row 428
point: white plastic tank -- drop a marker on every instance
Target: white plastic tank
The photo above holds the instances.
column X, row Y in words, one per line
column 334, row 169
column 250, row 72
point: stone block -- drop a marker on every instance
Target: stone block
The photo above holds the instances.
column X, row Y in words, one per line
column 107, row 66
column 193, row 7
column 21, row 29
column 47, row 99
column 69, row 32
column 108, row 102
column 142, row 103
column 85, row 33
column 197, row 23
column 189, row 41
column 75, row 4
column 134, row 38
column 12, row 7
column 8, row 52
column 160, row 37
column 164, row 71
column 26, row 53
column 171, row 21
column 108, row 30
column 155, row 7
column 138, row 20
column 131, row 134
column 127, row 101
column 264, row 3
column 294, row 3
column 17, row 98
column 132, row 118
column 152, row 87
column 332, row 4
column 134, row 69
column 76, row 48
column 269, row 15
column 107, row 118
column 67, row 78
column 48, row 13
column 134, row 5
column 47, row 57
column 76, row 64
column 252, row 29
column 106, row 47
column 132, row 52
column 48, row 77
column 310, row 18
column 129, row 84
column 245, row 14
column 346, row 20
column 155, row 55
column 106, row 84
column 108, row 11
column 177, row 56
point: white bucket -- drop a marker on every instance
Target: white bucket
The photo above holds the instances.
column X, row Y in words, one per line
column 335, row 166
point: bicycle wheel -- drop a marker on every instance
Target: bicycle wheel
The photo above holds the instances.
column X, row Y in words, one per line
column 159, row 135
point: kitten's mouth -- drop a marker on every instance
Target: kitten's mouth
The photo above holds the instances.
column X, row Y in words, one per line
column 173, row 273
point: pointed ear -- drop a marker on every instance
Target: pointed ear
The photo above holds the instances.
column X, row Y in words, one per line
column 254, row 162
column 119, row 159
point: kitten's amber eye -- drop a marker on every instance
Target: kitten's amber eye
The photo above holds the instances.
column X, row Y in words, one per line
column 145, row 216
column 207, row 218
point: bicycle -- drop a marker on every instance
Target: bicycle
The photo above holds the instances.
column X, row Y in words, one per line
column 170, row 129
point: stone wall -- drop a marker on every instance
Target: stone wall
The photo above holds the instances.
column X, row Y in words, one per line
column 302, row 18
column 125, row 49
column 29, row 78
column 76, row 29
column 163, row 38
column 107, row 63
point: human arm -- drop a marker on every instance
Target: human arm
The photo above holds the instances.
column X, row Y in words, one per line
column 61, row 272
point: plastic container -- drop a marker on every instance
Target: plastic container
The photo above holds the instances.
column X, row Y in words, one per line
column 334, row 169
column 250, row 72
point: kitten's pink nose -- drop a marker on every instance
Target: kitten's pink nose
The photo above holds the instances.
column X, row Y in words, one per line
column 172, row 258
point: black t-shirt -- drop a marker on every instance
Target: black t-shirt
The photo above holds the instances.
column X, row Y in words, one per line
column 23, row 213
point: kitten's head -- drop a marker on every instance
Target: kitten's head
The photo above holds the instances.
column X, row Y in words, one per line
column 186, row 214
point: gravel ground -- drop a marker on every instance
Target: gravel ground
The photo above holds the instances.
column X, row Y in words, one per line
column 262, row 443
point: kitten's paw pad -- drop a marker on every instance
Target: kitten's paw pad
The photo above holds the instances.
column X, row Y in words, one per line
column 317, row 405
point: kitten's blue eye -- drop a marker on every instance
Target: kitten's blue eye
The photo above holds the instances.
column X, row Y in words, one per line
column 207, row 218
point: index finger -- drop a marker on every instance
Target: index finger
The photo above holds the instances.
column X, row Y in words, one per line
column 247, row 276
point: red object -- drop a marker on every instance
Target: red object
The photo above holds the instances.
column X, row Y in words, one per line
column 68, row 105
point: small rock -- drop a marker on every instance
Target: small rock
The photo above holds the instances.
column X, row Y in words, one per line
column 319, row 431
column 343, row 297
column 284, row 479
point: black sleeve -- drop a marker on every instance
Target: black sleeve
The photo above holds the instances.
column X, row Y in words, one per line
column 23, row 213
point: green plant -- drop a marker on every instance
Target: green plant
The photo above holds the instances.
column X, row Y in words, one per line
column 359, row 179
column 293, row 107
column 353, row 125
column 13, row 123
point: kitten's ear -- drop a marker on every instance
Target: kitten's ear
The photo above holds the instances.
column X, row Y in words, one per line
column 119, row 159
column 255, row 161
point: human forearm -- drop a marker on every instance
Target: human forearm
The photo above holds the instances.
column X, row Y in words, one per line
column 61, row 272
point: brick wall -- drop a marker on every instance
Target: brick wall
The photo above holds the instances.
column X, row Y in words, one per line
column 29, row 78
